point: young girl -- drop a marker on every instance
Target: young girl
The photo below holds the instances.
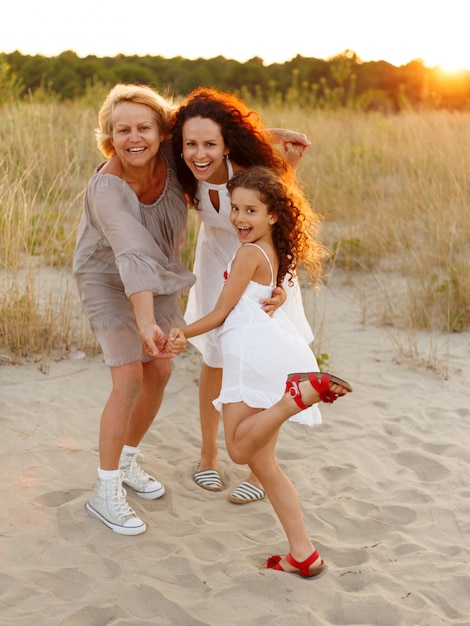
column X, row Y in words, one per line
column 260, row 352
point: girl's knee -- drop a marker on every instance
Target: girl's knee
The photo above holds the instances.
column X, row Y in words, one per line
column 237, row 456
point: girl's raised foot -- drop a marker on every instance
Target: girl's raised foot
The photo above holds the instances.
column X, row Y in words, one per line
column 328, row 387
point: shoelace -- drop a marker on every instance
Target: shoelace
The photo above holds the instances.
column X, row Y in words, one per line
column 137, row 472
column 122, row 506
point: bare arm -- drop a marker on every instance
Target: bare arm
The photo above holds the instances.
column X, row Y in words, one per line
column 243, row 269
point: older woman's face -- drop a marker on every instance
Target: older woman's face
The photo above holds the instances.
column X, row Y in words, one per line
column 204, row 150
column 135, row 133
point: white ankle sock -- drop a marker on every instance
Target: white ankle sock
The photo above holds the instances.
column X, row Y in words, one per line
column 129, row 450
column 107, row 474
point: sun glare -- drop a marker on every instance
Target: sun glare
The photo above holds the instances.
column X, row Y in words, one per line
column 451, row 62
column 451, row 68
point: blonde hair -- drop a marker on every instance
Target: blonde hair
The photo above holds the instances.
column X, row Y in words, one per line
column 141, row 94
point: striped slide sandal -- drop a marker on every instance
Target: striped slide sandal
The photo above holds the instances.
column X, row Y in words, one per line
column 247, row 493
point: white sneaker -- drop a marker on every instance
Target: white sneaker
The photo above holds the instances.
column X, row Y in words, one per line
column 141, row 483
column 108, row 504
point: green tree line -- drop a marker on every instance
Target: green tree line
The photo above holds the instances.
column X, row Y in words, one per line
column 342, row 81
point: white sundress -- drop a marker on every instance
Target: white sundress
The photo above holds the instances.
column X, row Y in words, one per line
column 216, row 245
column 259, row 351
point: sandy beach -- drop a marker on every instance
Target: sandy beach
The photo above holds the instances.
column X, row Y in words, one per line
column 384, row 483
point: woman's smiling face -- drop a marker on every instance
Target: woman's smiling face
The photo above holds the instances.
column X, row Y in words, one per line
column 204, row 150
column 135, row 134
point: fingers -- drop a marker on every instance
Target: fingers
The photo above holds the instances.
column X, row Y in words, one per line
column 269, row 310
column 176, row 341
column 270, row 305
column 158, row 346
column 295, row 149
column 160, row 351
column 294, row 137
column 151, row 349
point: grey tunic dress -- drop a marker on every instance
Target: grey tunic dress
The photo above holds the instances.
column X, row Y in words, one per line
column 124, row 247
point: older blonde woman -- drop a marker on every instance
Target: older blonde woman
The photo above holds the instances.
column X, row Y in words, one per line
column 129, row 276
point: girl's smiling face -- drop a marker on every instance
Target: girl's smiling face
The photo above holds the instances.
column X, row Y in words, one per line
column 250, row 216
column 204, row 150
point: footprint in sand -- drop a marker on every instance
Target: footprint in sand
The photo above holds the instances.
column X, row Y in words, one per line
column 425, row 468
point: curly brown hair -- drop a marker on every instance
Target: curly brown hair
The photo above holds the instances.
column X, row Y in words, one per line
column 295, row 233
column 248, row 140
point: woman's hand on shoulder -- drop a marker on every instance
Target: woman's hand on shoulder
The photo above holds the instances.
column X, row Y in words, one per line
column 293, row 152
column 292, row 142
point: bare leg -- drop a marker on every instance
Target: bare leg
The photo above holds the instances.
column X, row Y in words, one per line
column 285, row 502
column 281, row 492
column 247, row 436
column 209, row 388
column 251, row 436
column 156, row 376
column 136, row 395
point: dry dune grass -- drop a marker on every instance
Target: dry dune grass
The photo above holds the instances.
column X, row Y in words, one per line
column 395, row 195
column 47, row 152
column 393, row 192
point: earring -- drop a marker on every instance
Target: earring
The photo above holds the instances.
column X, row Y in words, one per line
column 181, row 155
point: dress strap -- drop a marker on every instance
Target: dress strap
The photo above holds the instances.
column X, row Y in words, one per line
column 267, row 259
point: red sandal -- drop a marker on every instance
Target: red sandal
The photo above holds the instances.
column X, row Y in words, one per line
column 319, row 381
column 303, row 568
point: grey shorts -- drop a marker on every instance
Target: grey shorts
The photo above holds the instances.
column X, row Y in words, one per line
column 110, row 314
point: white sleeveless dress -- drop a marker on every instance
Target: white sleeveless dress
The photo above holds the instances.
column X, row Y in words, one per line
column 216, row 245
column 259, row 351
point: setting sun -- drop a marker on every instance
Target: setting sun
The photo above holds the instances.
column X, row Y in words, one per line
column 451, row 69
column 451, row 58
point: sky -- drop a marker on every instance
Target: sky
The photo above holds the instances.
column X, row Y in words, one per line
column 397, row 31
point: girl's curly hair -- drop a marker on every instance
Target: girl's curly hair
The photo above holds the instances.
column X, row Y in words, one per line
column 296, row 230
column 244, row 134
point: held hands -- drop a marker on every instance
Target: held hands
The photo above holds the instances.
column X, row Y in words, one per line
column 155, row 343
column 176, row 341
